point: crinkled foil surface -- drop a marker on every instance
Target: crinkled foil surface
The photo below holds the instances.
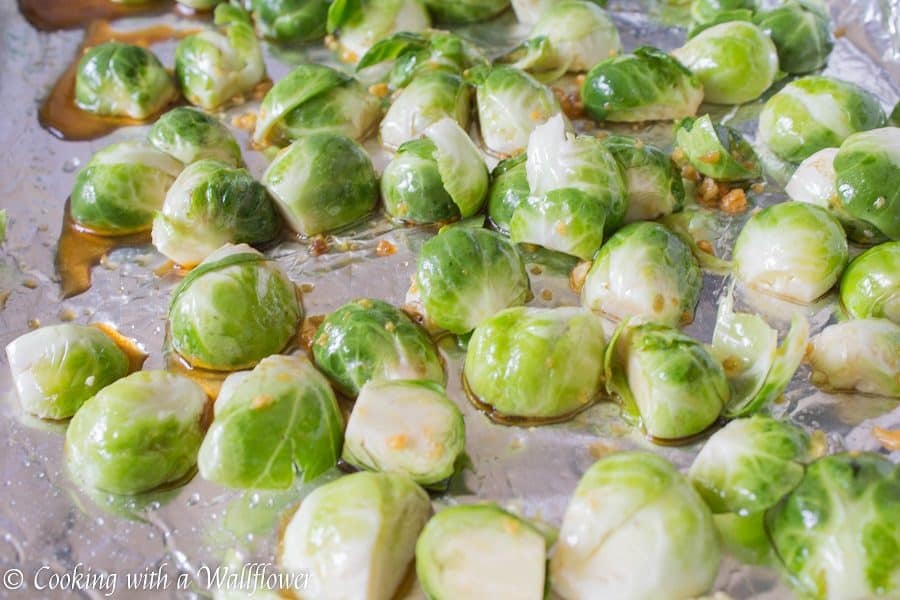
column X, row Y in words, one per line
column 47, row 522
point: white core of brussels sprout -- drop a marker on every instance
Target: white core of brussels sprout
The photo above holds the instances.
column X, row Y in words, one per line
column 462, row 167
column 404, row 427
column 861, row 355
column 383, row 19
column 530, row 11
column 507, row 117
column 141, row 153
column 649, row 194
column 491, row 562
column 238, row 69
column 406, row 119
column 814, row 180
column 550, row 149
column 824, row 109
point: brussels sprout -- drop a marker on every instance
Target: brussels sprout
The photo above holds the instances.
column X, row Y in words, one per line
column 509, row 189
column 870, row 286
column 867, row 169
column 439, row 178
column 644, row 86
column 636, row 529
column 837, row 533
column 213, row 67
column 726, row 16
column 279, row 420
column 430, row 97
column 413, row 54
column 361, row 23
column 539, row 364
column 122, row 80
column 717, row 151
column 189, row 135
column 530, row 11
column 356, row 536
column 758, row 370
column 234, row 309
column 481, row 551
column 315, row 99
column 572, row 35
column 895, row 115
column 644, row 271
column 3, row 222
column 708, row 11
column 736, row 62
column 465, row 11
column 211, row 204
column 199, row 4
column 699, row 228
column 291, row 20
column 121, row 187
column 408, row 427
column 139, row 433
column 511, row 104
column 668, row 383
column 322, row 182
column 578, row 192
column 652, row 181
column 465, row 276
column 750, row 464
column 813, row 113
column 370, row 340
column 861, row 355
column 801, row 33
column 56, row 368
column 792, row 250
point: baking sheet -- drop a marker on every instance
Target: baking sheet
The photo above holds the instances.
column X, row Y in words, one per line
column 48, row 525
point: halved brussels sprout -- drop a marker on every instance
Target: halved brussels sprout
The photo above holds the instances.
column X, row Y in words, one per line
column 461, row 544
column 668, row 383
column 465, row 11
column 509, row 189
column 571, row 35
column 465, row 276
column 792, row 250
column 234, row 309
column 837, row 534
column 439, row 178
column 530, row 11
column 716, row 150
column 709, row 11
column 511, row 104
column 636, row 529
column 56, row 368
column 409, row 427
column 213, row 67
column 647, row 85
column 430, row 97
column 315, row 99
column 644, row 271
column 356, row 536
column 750, row 464
column 139, row 433
column 189, row 135
column 867, row 169
column 758, row 370
column 322, row 182
column 121, row 187
column 578, row 192
column 859, row 355
column 538, row 364
column 272, row 424
column 735, row 61
column 870, row 286
column 291, row 20
column 122, row 80
column 209, row 205
column 801, row 32
column 359, row 24
column 816, row 112
column 370, row 340
column 652, row 180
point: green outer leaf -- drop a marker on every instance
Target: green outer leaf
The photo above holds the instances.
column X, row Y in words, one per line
column 275, row 422
column 801, row 33
column 412, row 187
column 465, row 276
column 566, row 220
column 509, row 189
column 392, row 48
column 342, row 12
column 189, row 135
column 895, row 115
column 461, row 166
column 654, row 183
column 291, row 20
column 3, row 222
column 239, row 258
column 459, row 12
column 870, row 285
column 738, row 14
column 692, row 226
column 717, row 151
column 708, row 11
column 787, row 361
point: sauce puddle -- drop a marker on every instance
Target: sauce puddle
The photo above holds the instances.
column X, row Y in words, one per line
column 52, row 15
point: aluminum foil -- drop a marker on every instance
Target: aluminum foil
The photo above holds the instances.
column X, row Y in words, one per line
column 49, row 525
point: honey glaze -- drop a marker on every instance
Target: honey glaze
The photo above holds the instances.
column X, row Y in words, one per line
column 52, row 15
column 61, row 116
column 210, row 381
column 79, row 250
column 135, row 354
